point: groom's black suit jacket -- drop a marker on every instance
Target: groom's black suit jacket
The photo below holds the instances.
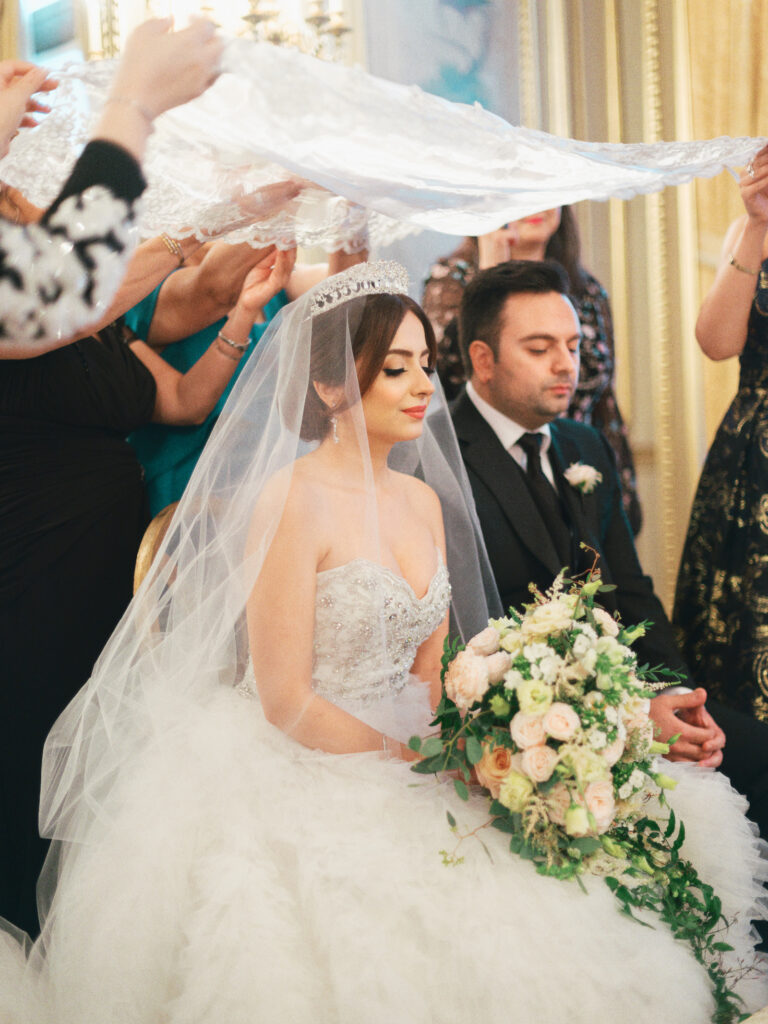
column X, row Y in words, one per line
column 519, row 545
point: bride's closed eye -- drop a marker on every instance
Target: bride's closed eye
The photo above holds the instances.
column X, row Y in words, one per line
column 396, row 373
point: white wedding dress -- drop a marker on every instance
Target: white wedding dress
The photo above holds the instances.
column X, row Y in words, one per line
column 247, row 878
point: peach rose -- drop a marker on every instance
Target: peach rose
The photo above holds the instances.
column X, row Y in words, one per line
column 466, row 679
column 485, row 642
column 613, row 751
column 527, row 730
column 561, row 722
column 539, row 762
column 557, row 802
column 494, row 766
column 498, row 665
column 600, row 804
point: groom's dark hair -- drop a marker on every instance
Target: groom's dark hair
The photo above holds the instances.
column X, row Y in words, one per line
column 483, row 302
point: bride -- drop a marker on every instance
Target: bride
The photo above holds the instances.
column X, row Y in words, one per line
column 237, row 832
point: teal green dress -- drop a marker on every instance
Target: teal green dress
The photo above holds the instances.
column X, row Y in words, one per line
column 170, row 454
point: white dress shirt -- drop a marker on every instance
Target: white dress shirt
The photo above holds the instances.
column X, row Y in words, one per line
column 509, row 433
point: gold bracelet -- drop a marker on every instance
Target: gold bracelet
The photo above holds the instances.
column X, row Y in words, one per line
column 234, row 356
column 745, row 270
column 173, row 247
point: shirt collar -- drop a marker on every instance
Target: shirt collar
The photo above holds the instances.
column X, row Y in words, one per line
column 507, row 430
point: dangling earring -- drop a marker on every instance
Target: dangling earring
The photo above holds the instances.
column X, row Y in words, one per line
column 334, row 421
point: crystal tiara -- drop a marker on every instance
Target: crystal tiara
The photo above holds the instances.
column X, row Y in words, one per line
column 382, row 277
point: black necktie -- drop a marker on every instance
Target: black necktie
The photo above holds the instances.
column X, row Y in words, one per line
column 546, row 497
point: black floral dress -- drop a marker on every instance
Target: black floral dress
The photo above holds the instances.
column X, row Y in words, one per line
column 594, row 402
column 72, row 502
column 721, row 602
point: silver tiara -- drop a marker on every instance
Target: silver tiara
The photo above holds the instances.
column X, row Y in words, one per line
column 382, row 277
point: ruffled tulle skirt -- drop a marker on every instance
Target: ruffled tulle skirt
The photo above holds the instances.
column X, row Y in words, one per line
column 244, row 878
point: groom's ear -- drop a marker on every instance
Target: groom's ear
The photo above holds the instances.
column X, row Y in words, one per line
column 483, row 361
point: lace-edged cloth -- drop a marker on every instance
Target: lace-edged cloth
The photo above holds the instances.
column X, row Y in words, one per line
column 387, row 156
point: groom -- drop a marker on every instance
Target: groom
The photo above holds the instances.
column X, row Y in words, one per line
column 543, row 485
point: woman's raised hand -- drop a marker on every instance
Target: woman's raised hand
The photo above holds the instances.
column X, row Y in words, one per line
column 19, row 81
column 753, row 185
column 266, row 279
column 161, row 68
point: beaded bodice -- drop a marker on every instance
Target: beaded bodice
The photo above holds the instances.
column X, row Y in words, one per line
column 368, row 626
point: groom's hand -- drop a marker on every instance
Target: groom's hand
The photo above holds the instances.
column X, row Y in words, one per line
column 700, row 738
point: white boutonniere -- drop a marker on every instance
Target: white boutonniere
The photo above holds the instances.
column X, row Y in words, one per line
column 583, row 478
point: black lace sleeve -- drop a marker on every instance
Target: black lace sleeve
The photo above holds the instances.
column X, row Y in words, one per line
column 59, row 275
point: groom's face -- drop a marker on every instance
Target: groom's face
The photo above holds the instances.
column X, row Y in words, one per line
column 534, row 375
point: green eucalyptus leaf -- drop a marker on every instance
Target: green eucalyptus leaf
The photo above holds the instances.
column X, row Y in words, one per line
column 474, row 750
column 461, row 788
column 432, row 746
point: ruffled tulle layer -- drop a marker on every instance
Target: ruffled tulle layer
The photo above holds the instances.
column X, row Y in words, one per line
column 245, row 878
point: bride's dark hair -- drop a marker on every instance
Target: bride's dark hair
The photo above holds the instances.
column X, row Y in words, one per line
column 377, row 319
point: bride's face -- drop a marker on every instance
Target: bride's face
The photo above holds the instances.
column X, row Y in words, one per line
column 396, row 403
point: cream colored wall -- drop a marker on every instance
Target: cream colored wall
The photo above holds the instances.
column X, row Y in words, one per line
column 622, row 74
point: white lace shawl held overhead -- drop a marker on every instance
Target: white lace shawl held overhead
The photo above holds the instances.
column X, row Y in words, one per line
column 393, row 155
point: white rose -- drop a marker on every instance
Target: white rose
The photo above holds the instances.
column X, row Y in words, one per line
column 539, row 762
column 584, row 478
column 606, row 622
column 545, row 619
column 588, row 660
column 600, row 804
column 484, row 643
column 561, row 722
column 466, row 679
column 527, row 730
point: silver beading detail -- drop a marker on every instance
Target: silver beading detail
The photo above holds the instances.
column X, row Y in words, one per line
column 382, row 277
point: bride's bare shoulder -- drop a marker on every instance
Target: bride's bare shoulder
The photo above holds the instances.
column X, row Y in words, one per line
column 290, row 489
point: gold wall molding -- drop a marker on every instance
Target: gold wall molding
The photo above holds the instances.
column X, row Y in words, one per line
column 656, row 278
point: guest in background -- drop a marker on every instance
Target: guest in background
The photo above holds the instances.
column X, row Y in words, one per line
column 721, row 603
column 551, row 234
column 183, row 313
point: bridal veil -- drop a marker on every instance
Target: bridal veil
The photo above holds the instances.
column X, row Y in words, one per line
column 184, row 633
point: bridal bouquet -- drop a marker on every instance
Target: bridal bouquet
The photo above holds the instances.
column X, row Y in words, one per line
column 548, row 710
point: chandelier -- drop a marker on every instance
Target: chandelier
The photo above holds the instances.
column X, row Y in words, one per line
column 318, row 27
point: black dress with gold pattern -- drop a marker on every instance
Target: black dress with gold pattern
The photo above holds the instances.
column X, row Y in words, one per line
column 721, row 602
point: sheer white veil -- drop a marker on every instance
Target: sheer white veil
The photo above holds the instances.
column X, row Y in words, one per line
column 184, row 633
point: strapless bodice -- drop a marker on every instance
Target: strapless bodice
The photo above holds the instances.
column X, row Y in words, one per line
column 368, row 626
